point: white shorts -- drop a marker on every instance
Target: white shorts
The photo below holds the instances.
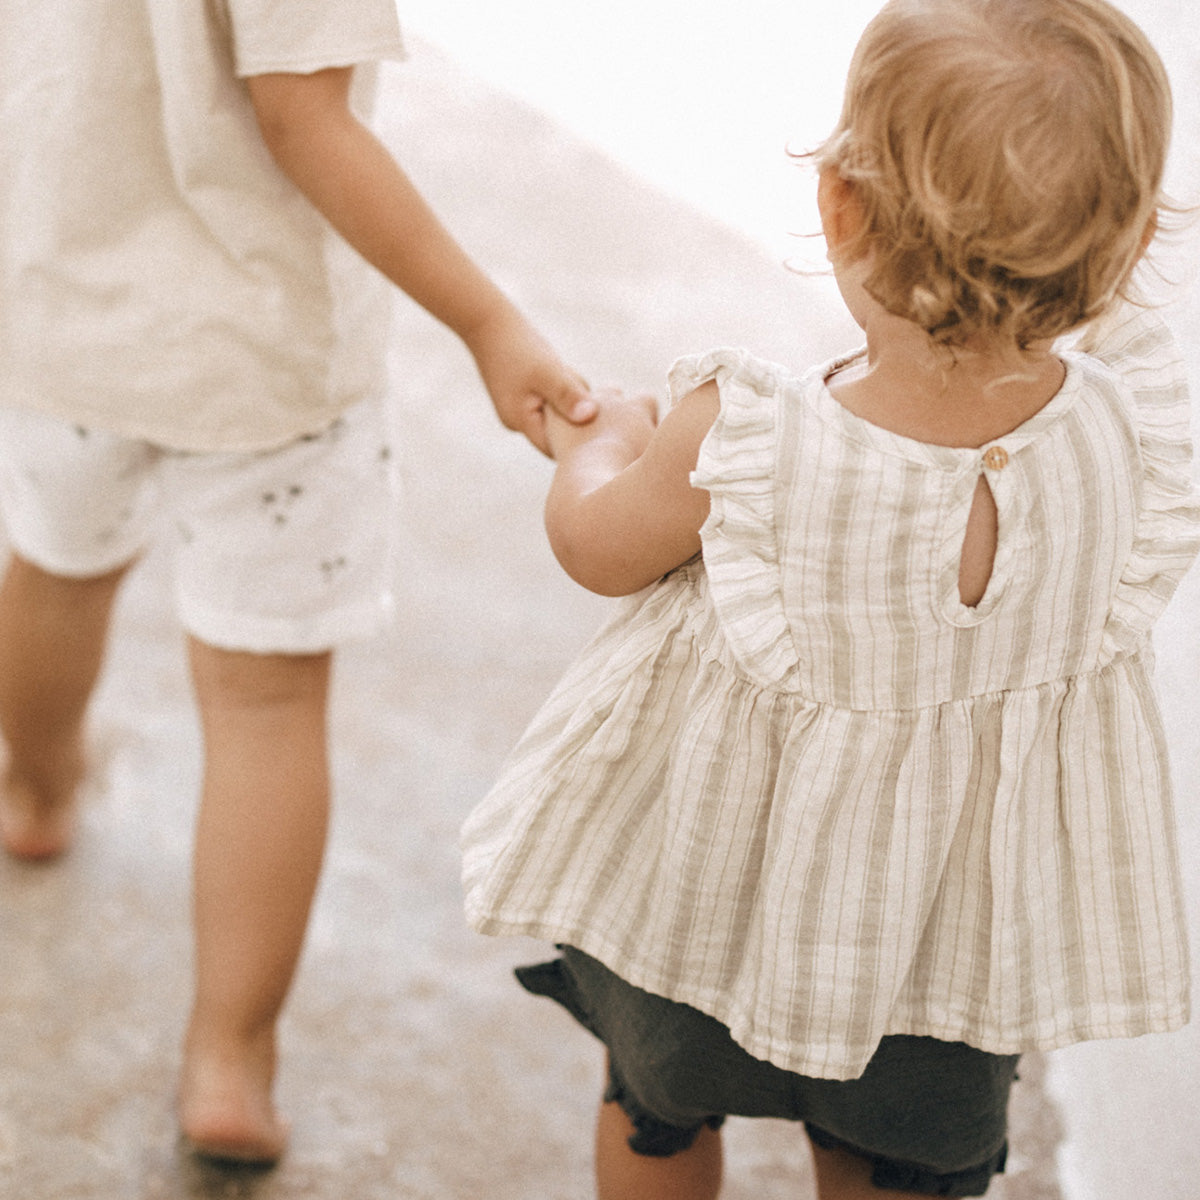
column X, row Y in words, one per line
column 279, row 551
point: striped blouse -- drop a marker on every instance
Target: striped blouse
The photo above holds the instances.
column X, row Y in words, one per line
column 798, row 785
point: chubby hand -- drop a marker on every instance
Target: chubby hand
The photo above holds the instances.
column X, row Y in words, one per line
column 526, row 379
column 620, row 418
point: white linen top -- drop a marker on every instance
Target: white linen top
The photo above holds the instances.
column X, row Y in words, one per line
column 159, row 275
column 799, row 786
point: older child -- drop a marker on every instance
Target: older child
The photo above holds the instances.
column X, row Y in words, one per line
column 864, row 791
column 184, row 333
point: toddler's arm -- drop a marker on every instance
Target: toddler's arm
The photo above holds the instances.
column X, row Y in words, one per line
column 351, row 178
column 621, row 511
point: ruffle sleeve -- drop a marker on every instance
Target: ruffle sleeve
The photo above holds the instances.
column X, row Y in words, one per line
column 736, row 466
column 1137, row 346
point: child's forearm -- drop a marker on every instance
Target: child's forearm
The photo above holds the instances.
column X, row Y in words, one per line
column 585, row 464
column 588, row 515
column 622, row 510
column 581, row 526
column 351, row 178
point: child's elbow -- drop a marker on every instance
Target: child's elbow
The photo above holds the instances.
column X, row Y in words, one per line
column 591, row 563
column 602, row 581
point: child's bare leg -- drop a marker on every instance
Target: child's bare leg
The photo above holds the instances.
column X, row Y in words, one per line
column 692, row 1174
column 52, row 637
column 845, row 1176
column 259, row 843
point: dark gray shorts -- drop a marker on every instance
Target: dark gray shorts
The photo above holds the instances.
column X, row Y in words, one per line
column 931, row 1116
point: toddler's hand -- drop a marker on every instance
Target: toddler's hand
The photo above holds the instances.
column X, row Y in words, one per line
column 526, row 379
column 631, row 420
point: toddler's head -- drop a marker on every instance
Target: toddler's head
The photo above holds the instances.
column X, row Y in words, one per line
column 1006, row 157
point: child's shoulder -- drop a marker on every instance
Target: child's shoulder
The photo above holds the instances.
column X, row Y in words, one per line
column 1130, row 358
column 743, row 376
column 1130, row 340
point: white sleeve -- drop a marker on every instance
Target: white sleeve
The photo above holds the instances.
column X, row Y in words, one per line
column 302, row 36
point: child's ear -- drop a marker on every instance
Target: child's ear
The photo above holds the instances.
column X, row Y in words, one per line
column 840, row 209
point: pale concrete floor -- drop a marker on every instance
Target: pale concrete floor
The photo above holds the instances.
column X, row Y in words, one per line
column 413, row 1067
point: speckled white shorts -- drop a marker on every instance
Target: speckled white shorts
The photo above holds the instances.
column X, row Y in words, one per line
column 278, row 551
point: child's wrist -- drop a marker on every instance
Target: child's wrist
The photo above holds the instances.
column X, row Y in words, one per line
column 491, row 324
column 562, row 436
column 616, row 439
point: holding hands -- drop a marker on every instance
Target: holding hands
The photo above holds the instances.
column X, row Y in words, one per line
column 627, row 422
column 318, row 141
column 525, row 378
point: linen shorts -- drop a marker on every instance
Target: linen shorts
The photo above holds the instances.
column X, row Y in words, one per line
column 930, row 1116
column 278, row 551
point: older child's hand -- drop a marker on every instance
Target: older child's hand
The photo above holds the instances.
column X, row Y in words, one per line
column 525, row 377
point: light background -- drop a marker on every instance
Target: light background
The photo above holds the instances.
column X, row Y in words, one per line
column 704, row 100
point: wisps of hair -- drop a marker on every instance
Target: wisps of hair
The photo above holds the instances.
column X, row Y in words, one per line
column 1008, row 159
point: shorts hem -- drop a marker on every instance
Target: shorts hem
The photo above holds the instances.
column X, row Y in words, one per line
column 655, row 1045
column 266, row 635
column 79, row 567
column 889, row 1174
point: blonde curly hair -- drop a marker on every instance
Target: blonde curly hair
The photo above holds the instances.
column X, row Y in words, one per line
column 1007, row 157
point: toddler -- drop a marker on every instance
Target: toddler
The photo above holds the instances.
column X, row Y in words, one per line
column 863, row 790
column 189, row 336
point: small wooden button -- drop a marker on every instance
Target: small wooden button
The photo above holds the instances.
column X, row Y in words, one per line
column 995, row 457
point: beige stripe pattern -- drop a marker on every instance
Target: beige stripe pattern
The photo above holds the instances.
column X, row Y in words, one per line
column 798, row 785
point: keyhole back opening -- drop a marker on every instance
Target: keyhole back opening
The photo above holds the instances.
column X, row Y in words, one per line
column 979, row 545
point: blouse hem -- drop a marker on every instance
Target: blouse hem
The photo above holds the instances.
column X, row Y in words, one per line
column 826, row 1063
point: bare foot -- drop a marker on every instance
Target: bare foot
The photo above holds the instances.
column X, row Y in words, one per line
column 34, row 825
column 225, row 1109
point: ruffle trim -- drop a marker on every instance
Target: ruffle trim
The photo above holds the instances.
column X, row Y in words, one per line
column 1136, row 345
column 736, row 466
